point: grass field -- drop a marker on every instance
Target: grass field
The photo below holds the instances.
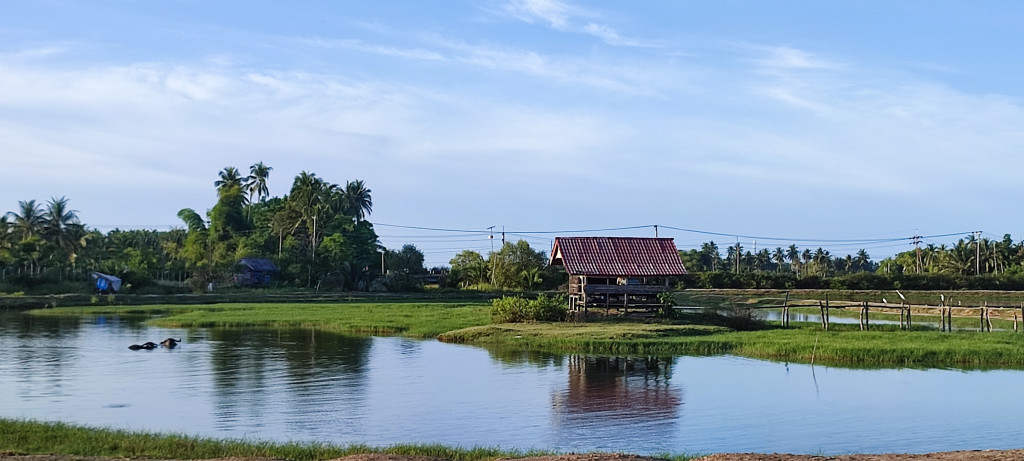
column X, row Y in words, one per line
column 31, row 437
column 409, row 319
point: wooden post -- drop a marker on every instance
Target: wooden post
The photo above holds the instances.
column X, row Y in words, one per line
column 867, row 317
column 860, row 320
column 821, row 312
column 827, row 319
column 1014, row 321
column 785, row 310
column 902, row 311
column 942, row 318
column 988, row 318
column 949, row 318
column 910, row 321
column 981, row 311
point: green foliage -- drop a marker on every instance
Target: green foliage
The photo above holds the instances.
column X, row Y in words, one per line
column 516, row 266
column 32, row 437
column 469, row 268
column 515, row 309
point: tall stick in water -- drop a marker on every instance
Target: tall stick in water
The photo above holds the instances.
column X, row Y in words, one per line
column 815, row 349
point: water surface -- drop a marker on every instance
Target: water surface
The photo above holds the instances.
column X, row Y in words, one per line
column 313, row 386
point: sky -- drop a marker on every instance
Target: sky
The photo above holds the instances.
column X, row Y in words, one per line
column 844, row 124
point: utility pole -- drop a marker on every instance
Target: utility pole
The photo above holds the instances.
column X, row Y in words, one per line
column 737, row 270
column 917, row 247
column 503, row 236
column 977, row 248
column 491, row 237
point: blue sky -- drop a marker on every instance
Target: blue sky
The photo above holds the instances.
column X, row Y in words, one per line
column 800, row 120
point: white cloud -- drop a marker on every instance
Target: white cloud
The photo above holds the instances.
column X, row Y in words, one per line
column 360, row 45
column 553, row 12
column 565, row 17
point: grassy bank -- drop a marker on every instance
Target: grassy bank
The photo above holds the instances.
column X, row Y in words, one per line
column 28, row 301
column 410, row 319
column 842, row 345
column 30, row 437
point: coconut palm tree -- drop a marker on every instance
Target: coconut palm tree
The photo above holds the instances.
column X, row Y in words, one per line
column 805, row 258
column 256, row 184
column 229, row 177
column 862, row 260
column 709, row 256
column 358, row 203
column 822, row 259
column 6, row 241
column 62, row 228
column 779, row 256
column 959, row 259
column 28, row 222
column 793, row 255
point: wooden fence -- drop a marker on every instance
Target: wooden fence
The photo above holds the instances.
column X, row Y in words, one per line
column 906, row 311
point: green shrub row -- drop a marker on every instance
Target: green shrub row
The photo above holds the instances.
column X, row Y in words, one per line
column 515, row 309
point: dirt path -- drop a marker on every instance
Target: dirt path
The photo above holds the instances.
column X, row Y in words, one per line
column 1004, row 455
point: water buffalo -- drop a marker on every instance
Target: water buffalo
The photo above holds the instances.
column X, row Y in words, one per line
column 145, row 345
column 170, row 343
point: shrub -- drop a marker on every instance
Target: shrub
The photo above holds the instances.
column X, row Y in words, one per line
column 515, row 309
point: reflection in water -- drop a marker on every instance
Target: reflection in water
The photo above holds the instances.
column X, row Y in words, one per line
column 610, row 397
column 251, row 367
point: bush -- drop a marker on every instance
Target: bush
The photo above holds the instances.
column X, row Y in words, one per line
column 515, row 309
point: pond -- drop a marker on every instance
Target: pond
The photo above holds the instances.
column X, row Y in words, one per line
column 306, row 385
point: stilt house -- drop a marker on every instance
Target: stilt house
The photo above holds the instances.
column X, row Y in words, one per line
column 616, row 272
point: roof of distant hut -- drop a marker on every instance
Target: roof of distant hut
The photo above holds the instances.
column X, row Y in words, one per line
column 258, row 264
column 617, row 256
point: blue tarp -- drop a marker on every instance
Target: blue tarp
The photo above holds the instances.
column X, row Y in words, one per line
column 106, row 283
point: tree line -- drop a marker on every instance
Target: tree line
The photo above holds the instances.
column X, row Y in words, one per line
column 320, row 237
column 318, row 234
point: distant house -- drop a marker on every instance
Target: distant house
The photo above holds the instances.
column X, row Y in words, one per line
column 254, row 272
column 105, row 284
column 616, row 272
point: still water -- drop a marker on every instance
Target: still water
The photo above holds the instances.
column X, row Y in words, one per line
column 313, row 386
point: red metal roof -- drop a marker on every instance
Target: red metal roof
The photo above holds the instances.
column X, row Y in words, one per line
column 621, row 256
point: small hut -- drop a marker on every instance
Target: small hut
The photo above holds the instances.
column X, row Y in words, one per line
column 105, row 283
column 616, row 272
column 254, row 272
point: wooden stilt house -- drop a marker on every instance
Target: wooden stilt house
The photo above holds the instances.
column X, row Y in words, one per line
column 616, row 272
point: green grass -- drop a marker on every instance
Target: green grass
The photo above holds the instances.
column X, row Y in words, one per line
column 32, row 437
column 414, row 320
column 842, row 345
